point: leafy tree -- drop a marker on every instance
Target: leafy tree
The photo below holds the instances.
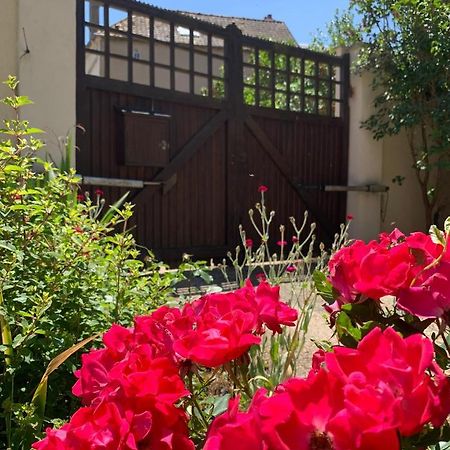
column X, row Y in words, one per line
column 406, row 45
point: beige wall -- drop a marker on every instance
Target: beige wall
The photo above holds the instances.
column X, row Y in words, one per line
column 365, row 162
column 378, row 162
column 48, row 73
column 8, row 40
column 403, row 206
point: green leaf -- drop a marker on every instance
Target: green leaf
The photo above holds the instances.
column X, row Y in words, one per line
column 22, row 100
column 275, row 350
column 437, row 236
column 40, row 395
column 324, row 287
column 29, row 131
column 220, row 404
column 7, row 246
column 348, row 334
column 114, row 209
column 13, row 168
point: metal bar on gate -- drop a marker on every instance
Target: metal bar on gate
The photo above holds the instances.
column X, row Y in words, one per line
column 117, row 182
column 363, row 188
column 342, row 188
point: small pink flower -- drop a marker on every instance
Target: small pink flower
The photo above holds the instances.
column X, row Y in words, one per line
column 263, row 188
column 78, row 229
column 261, row 277
column 99, row 193
column 80, row 197
column 349, row 217
column 291, row 268
column 281, row 243
column 294, row 239
column 249, row 243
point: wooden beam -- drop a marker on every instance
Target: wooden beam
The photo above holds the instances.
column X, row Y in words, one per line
column 286, row 170
column 192, row 146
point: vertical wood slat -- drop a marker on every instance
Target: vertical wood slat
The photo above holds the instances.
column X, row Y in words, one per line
column 152, row 51
column 191, row 62
column 316, row 86
column 210, row 68
column 330, row 90
column 302, row 84
column 130, row 44
column 273, row 77
column 107, row 42
column 172, row 56
column 288, row 83
column 257, row 82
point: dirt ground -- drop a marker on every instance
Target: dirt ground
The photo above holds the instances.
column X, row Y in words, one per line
column 318, row 330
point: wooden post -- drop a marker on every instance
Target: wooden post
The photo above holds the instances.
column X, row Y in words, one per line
column 237, row 160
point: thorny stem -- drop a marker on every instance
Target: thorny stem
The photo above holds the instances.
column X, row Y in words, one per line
column 236, row 381
column 195, row 402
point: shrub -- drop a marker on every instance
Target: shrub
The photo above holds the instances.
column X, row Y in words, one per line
column 69, row 268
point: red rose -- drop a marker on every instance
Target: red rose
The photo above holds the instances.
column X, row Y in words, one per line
column 271, row 311
column 214, row 344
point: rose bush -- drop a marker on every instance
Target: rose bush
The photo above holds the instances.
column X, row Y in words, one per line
column 131, row 388
column 363, row 398
column 415, row 269
column 387, row 388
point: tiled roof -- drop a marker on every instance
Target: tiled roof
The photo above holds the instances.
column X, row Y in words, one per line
column 267, row 28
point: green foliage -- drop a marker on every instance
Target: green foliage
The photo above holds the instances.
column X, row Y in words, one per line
column 342, row 31
column 68, row 270
column 406, row 45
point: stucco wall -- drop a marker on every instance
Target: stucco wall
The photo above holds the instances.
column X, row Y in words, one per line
column 365, row 161
column 379, row 162
column 403, row 207
column 8, row 40
column 47, row 73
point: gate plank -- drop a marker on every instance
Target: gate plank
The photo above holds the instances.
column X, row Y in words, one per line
column 286, row 170
column 192, row 146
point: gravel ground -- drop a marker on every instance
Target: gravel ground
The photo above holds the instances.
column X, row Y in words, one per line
column 318, row 330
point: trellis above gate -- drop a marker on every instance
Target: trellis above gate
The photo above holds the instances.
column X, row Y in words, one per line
column 130, row 42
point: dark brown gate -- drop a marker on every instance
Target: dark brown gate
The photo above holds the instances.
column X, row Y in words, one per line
column 192, row 118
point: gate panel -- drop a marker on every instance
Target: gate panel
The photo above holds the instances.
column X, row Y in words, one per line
column 231, row 112
column 312, row 152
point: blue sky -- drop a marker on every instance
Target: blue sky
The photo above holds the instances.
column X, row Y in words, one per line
column 303, row 17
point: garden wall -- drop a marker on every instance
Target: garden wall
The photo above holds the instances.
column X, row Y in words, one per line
column 378, row 162
column 47, row 72
column 8, row 38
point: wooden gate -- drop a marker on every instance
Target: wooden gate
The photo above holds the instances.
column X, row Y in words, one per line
column 192, row 118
